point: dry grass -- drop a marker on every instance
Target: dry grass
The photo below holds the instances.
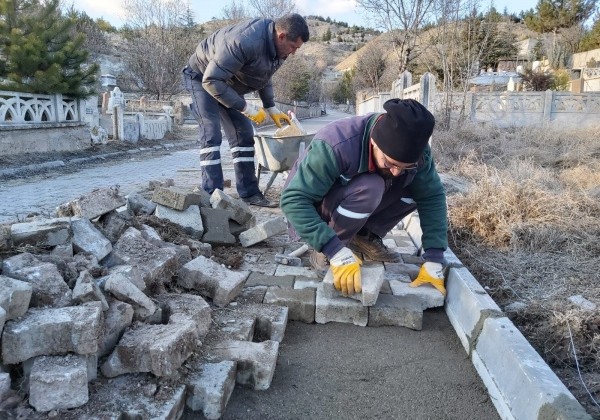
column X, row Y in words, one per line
column 529, row 229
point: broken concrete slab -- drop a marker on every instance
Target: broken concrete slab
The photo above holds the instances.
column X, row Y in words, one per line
column 210, row 388
column 300, row 302
column 238, row 209
column 159, row 349
column 139, row 205
column 45, row 232
column 131, row 273
column 94, row 204
column 255, row 361
column 212, row 280
column 155, row 264
column 429, row 296
column 263, row 231
column 88, row 239
column 216, row 226
column 125, row 291
column 189, row 219
column 175, row 198
column 48, row 285
column 86, row 290
column 116, row 320
column 401, row 311
column 340, row 309
column 15, row 296
column 58, row 382
column 53, row 331
column 17, row 262
column 113, row 224
column 371, row 280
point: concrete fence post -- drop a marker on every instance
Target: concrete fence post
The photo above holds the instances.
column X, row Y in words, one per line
column 548, row 99
column 469, row 109
column 427, row 91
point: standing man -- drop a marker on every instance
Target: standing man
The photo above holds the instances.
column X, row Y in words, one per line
column 231, row 62
column 358, row 179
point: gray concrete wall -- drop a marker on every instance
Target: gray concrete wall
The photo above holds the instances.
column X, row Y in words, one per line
column 51, row 137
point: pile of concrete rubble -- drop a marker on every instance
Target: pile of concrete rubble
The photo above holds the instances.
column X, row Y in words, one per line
column 100, row 316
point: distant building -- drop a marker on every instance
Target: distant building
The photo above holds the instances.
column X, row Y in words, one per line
column 586, row 71
column 493, row 81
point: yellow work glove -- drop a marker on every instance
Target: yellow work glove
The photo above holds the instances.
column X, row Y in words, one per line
column 255, row 113
column 345, row 267
column 277, row 116
column 431, row 273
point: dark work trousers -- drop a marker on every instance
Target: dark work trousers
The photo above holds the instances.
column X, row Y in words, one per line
column 367, row 201
column 211, row 117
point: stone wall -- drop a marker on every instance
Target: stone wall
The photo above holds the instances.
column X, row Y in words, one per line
column 40, row 138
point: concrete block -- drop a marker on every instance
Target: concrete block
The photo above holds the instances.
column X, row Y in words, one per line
column 54, row 331
column 198, row 248
column 259, row 279
column 254, row 294
column 300, row 302
column 468, row 306
column 401, row 271
column 306, row 282
column 131, row 273
column 48, row 286
column 5, row 382
column 58, row 382
column 189, row 219
column 210, row 388
column 88, row 239
column 5, row 241
column 414, row 229
column 398, row 311
column 234, row 325
column 116, row 320
column 185, row 307
column 271, row 321
column 520, row 383
column 429, row 296
column 47, row 232
column 63, row 251
column 255, row 361
column 183, row 252
column 2, row 319
column 263, row 231
column 371, row 280
column 12, row 264
column 138, row 205
column 159, row 349
column 212, row 280
column 291, row 270
column 156, row 264
column 216, row 226
column 121, row 288
column 94, row 204
column 240, row 211
column 86, row 290
column 175, row 198
column 340, row 309
column 15, row 296
column 385, row 287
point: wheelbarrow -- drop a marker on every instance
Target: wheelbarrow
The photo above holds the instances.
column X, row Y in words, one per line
column 278, row 154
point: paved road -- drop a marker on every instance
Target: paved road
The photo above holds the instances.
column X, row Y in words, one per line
column 328, row 371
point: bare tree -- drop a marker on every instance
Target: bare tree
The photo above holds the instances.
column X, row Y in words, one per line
column 298, row 79
column 272, row 9
column 370, row 68
column 158, row 45
column 403, row 19
column 235, row 11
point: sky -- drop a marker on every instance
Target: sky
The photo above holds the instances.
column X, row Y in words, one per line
column 339, row 10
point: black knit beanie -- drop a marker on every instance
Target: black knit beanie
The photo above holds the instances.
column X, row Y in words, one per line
column 403, row 131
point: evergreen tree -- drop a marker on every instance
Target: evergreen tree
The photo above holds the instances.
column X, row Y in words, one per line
column 41, row 51
column 551, row 15
column 591, row 39
column 327, row 35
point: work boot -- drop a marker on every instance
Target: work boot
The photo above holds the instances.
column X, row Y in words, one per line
column 319, row 262
column 259, row 200
column 373, row 248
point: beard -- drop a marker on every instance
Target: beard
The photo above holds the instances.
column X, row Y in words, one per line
column 385, row 173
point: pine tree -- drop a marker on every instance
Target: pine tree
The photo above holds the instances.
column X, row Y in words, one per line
column 591, row 40
column 551, row 15
column 41, row 51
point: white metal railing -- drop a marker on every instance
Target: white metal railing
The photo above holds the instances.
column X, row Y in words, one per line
column 18, row 108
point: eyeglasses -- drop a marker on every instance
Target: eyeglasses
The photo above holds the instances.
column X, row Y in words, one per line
column 401, row 169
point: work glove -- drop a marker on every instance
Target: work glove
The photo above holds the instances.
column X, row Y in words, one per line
column 255, row 113
column 431, row 273
column 277, row 116
column 345, row 267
